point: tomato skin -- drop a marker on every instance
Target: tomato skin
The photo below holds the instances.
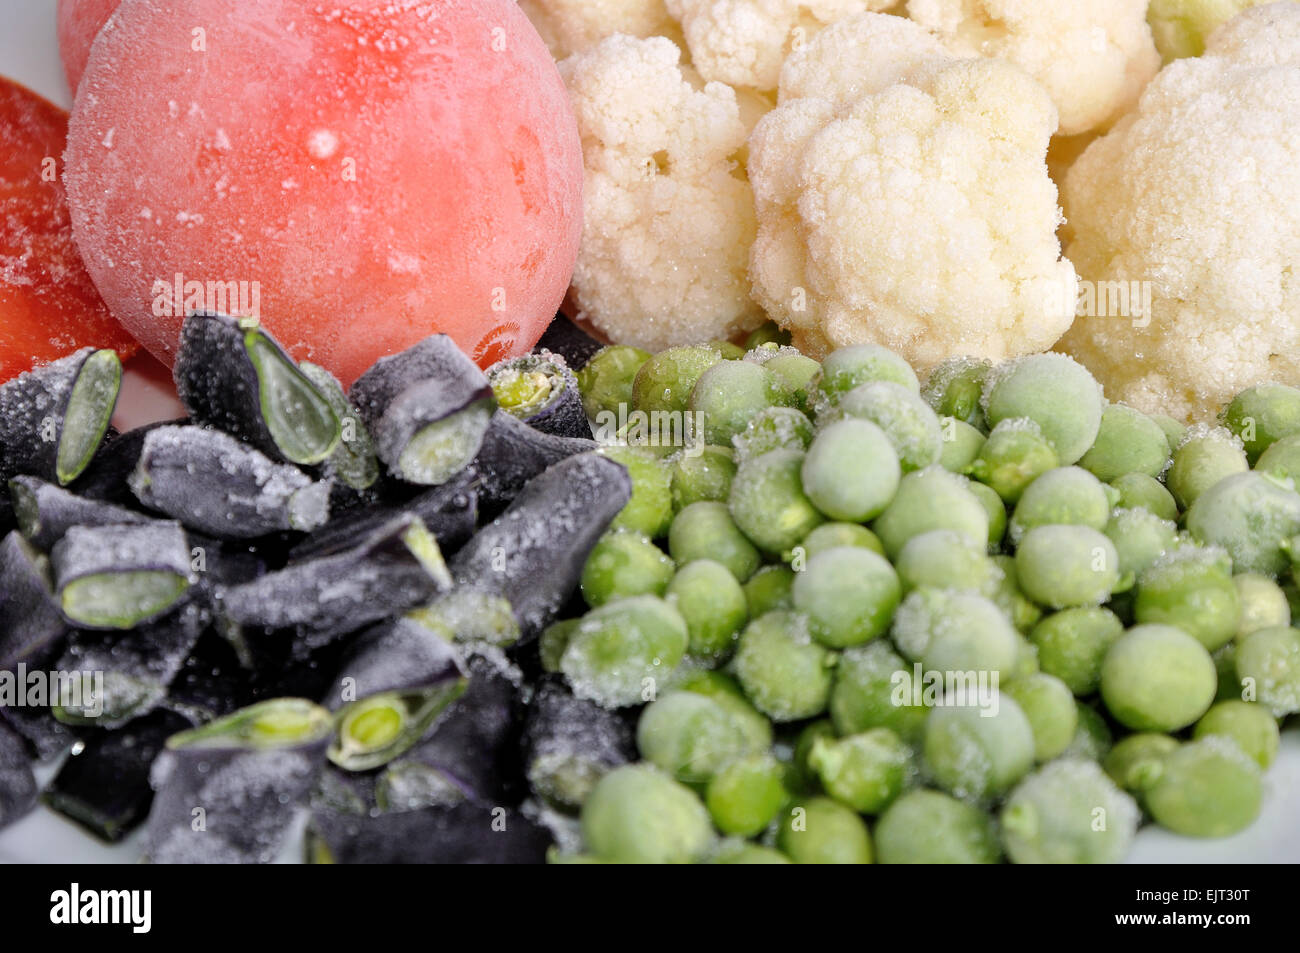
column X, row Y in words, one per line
column 79, row 22
column 379, row 171
column 48, row 304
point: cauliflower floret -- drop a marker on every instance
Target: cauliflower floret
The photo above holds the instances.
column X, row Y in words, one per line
column 571, row 26
column 744, row 42
column 668, row 217
column 1094, row 56
column 1181, row 26
column 904, row 200
column 1197, row 194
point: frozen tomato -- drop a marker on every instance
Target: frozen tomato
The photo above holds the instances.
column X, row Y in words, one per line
column 79, row 22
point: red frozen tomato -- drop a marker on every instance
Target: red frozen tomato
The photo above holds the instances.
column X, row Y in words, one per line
column 361, row 173
column 79, row 22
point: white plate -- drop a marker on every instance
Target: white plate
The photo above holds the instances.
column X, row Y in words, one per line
column 29, row 54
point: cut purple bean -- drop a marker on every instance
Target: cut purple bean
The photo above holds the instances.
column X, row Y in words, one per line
column 31, row 625
column 45, row 512
column 17, row 784
column 540, row 390
column 570, row 743
column 353, row 462
column 514, row 453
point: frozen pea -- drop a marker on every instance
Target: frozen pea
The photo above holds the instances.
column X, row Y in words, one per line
column 1050, row 708
column 952, row 631
column 931, row 499
column 1157, row 678
column 1249, row 725
column 866, row 771
column 1128, row 442
column 553, row 641
column 624, row 563
column 1174, row 430
column 784, row 672
column 729, row 394
column 769, row 589
column 1023, row 613
column 955, row 389
column 1015, row 454
column 1068, row 812
column 1262, row 602
column 1072, row 644
column 909, row 423
column 851, row 471
column 769, row 332
column 1063, row 566
column 1026, row 663
column 606, row 380
column 848, row 367
column 1136, row 762
column 800, row 777
column 1207, row 788
column 707, row 531
column 996, row 510
column 1268, row 669
column 1193, row 589
column 736, row 851
column 1262, row 415
column 830, row 535
column 690, row 736
column 650, row 509
column 1282, row 459
column 1092, row 739
column 796, row 374
column 1065, row 496
column 713, row 604
column 930, row 827
column 1139, row 491
column 1251, row 516
column 745, row 795
column 768, row 502
column 976, row 753
column 848, row 595
column 1225, row 664
column 872, row 689
column 822, row 831
column 1141, row 538
column 1054, row 391
column 776, row 428
column 701, row 477
column 726, row 691
column 639, row 815
column 665, row 380
column 943, row 559
column 621, row 650
column 1205, row 456
column 961, row 444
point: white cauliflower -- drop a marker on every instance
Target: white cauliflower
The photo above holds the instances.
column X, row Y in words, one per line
column 668, row 217
column 1094, row 56
column 744, row 42
column 1197, row 193
column 904, row 200
column 571, row 26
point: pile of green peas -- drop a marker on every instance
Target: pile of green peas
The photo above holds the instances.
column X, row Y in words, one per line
column 789, row 605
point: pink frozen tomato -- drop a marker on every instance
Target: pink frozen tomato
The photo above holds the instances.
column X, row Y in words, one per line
column 359, row 174
column 79, row 22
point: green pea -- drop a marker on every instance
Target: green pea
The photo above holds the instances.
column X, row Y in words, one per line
column 848, row 595
column 713, row 604
column 1262, row 601
column 871, row 691
column 1251, row 516
column 1157, row 678
column 1023, row 613
column 931, row 499
column 701, row 477
column 650, row 510
column 769, row 332
column 768, row 502
column 952, row 631
column 726, row 691
column 624, row 563
column 1282, row 459
column 776, row 428
column 996, row 510
column 930, row 827
column 1072, row 644
column 639, row 815
column 961, row 444
column 785, row 674
column 955, row 388
column 729, row 394
column 1015, row 454
column 1063, row 566
column 1136, row 762
column 1139, row 491
column 1054, row 391
column 1262, row 415
column 943, row 559
column 1128, row 442
column 1052, row 817
column 848, row 367
column 1050, row 708
column 1249, row 725
column 745, row 795
column 1092, row 739
column 554, row 640
column 1268, row 669
column 1141, row 539
column 975, row 753
column 1066, row 496
column 605, row 381
column 1174, row 430
column 736, row 851
column 801, row 778
column 851, row 471
column 690, row 736
column 769, row 589
column 866, row 771
column 1225, row 664
column 1191, row 589
column 621, row 650
column 729, row 351
column 1207, row 788
column 822, row 831
column 665, row 381
column 796, row 374
column 909, row 423
column 1206, row 456
column 830, row 535
column 707, row 531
